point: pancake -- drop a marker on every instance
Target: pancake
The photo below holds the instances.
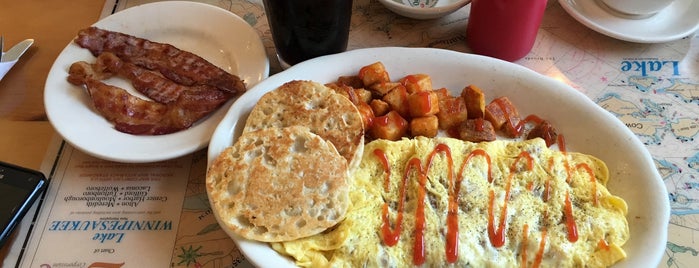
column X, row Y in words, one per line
column 313, row 105
column 541, row 195
column 279, row 184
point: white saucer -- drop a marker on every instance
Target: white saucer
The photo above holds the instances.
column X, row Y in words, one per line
column 678, row 20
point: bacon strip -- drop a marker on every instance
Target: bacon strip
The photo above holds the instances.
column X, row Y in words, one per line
column 180, row 66
column 150, row 83
column 134, row 115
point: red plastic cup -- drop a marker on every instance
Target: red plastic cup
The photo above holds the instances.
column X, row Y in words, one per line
column 504, row 29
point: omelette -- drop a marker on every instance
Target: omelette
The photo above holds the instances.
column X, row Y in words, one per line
column 445, row 202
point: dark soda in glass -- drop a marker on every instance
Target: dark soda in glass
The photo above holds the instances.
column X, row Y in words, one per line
column 305, row 29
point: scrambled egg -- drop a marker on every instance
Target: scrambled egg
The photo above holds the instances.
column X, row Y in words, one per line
column 545, row 186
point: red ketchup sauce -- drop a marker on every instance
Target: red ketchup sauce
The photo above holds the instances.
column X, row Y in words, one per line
column 497, row 237
column 593, row 180
column 603, row 244
column 570, row 220
column 390, row 233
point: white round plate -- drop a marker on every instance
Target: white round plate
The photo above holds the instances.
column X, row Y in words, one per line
column 587, row 127
column 215, row 34
column 678, row 20
column 424, row 10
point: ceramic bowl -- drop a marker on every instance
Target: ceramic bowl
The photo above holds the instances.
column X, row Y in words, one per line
column 424, row 9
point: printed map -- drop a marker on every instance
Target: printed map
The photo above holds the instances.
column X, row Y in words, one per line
column 652, row 88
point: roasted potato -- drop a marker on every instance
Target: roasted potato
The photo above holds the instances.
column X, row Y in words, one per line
column 410, row 106
column 416, row 83
column 452, row 111
column 495, row 115
column 373, row 74
column 391, row 126
column 442, row 92
column 397, row 99
column 511, row 127
column 427, row 126
column 367, row 114
column 423, row 103
column 475, row 101
column 363, row 95
column 379, row 107
column 381, row 89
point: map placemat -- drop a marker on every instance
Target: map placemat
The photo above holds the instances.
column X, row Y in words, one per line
column 652, row 88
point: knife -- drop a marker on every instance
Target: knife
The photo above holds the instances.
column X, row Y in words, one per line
column 16, row 51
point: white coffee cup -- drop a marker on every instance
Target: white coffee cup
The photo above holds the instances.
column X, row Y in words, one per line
column 637, row 8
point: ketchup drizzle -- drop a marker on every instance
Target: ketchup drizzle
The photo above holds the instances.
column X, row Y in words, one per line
column 570, row 220
column 562, row 148
column 540, row 253
column 454, row 187
column 387, row 170
column 497, row 237
column 603, row 244
column 593, row 180
column 419, row 246
column 525, row 237
column 391, row 233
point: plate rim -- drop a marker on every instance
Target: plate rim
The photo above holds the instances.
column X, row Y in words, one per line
column 231, row 122
column 572, row 7
column 171, row 145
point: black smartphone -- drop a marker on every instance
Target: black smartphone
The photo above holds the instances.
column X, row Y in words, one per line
column 19, row 188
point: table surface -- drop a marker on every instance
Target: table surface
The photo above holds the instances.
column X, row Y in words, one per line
column 565, row 49
column 25, row 132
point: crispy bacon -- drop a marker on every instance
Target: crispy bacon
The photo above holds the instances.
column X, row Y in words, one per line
column 148, row 82
column 180, row 66
column 131, row 114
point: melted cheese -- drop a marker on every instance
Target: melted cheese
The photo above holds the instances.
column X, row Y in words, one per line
column 536, row 229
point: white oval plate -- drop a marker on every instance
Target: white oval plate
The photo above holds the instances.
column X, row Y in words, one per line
column 215, row 34
column 587, row 127
column 679, row 19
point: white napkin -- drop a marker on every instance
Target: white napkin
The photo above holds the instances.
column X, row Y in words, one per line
column 5, row 67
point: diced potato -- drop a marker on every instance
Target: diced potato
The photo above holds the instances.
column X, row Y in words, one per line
column 495, row 115
column 442, row 93
column 544, row 130
column 351, row 80
column 511, row 128
column 427, row 126
column 417, row 83
column 423, row 103
column 397, row 99
column 379, row 107
column 391, row 126
column 363, row 95
column 381, row 89
column 475, row 101
column 475, row 130
column 367, row 114
column 452, row 111
column 373, row 74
